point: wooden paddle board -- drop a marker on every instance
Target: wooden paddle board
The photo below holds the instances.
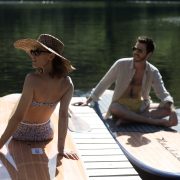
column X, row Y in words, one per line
column 36, row 160
column 153, row 150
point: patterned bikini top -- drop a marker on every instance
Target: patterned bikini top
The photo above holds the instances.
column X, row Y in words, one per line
column 39, row 104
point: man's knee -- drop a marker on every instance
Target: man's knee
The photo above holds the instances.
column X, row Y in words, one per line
column 116, row 108
column 113, row 108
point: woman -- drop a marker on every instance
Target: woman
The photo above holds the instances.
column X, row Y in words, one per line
column 41, row 92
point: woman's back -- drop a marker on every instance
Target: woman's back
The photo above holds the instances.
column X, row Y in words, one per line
column 47, row 92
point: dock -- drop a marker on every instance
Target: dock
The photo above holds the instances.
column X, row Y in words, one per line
column 102, row 156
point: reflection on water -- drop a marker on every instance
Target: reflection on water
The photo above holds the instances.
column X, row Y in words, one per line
column 173, row 20
column 95, row 35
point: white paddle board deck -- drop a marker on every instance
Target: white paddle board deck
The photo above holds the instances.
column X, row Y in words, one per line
column 152, row 149
column 36, row 160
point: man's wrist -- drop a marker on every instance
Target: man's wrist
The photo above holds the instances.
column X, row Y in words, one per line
column 89, row 99
column 169, row 105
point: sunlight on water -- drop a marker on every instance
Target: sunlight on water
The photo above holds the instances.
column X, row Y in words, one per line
column 173, row 20
column 154, row 2
column 95, row 35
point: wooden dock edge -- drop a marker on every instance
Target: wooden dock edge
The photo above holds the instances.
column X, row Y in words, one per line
column 102, row 156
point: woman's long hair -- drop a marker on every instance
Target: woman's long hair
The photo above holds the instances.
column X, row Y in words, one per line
column 60, row 67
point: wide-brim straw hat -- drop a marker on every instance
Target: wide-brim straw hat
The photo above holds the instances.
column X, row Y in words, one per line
column 45, row 41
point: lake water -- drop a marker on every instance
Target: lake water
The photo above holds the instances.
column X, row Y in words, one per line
column 95, row 35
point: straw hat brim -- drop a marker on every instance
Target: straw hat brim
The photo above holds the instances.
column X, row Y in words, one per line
column 30, row 44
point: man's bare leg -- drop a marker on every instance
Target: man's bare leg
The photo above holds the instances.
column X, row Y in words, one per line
column 173, row 119
column 122, row 112
column 156, row 112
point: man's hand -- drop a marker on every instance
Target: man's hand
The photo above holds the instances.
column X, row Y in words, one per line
column 169, row 106
column 80, row 103
column 86, row 103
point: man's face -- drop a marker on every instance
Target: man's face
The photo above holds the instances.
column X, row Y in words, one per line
column 139, row 52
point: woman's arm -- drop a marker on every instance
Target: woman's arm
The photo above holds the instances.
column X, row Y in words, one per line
column 63, row 117
column 23, row 105
column 63, row 123
column 11, row 169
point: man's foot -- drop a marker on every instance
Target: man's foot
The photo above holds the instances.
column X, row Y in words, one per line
column 120, row 122
column 173, row 119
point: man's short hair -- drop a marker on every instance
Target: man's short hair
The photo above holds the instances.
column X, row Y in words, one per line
column 150, row 46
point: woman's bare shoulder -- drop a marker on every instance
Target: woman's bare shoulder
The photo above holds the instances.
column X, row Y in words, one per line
column 31, row 80
column 68, row 81
column 32, row 77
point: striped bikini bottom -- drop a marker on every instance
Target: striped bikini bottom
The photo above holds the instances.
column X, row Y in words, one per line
column 34, row 132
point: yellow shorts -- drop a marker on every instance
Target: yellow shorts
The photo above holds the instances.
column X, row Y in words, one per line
column 132, row 104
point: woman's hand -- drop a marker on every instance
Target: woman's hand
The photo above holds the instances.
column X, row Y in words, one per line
column 69, row 155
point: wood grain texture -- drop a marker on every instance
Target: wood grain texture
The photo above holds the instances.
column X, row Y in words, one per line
column 18, row 162
column 154, row 149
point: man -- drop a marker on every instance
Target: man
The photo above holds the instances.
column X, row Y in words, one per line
column 133, row 79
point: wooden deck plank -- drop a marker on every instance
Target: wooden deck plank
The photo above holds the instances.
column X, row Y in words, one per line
column 99, row 131
column 83, row 110
column 95, row 141
column 106, row 158
column 115, row 178
column 101, row 154
column 111, row 172
column 98, row 146
column 92, row 135
column 108, row 165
